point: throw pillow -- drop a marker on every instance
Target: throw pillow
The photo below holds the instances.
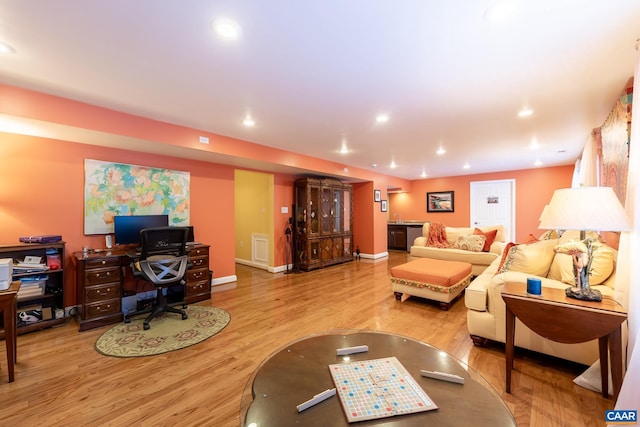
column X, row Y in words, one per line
column 549, row 234
column 471, row 242
column 505, row 252
column 489, row 235
column 531, row 239
column 534, row 258
column 602, row 265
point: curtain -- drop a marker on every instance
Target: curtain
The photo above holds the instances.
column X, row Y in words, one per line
column 628, row 271
column 587, row 166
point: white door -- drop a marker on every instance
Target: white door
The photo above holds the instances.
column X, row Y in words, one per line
column 493, row 203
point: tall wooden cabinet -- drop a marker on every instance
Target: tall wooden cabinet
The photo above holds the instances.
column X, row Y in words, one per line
column 323, row 223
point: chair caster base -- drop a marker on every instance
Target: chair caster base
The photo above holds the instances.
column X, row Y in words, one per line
column 184, row 316
column 145, row 326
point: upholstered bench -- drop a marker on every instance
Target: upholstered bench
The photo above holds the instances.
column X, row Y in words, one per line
column 434, row 279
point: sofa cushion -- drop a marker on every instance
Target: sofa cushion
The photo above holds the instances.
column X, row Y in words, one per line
column 602, row 265
column 472, row 242
column 454, row 232
column 534, row 258
column 489, row 235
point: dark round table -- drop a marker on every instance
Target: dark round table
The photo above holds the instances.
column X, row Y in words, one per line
column 300, row 370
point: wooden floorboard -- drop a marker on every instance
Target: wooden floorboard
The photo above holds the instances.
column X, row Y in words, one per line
column 61, row 380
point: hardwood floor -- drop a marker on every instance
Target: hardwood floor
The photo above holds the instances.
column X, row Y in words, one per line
column 62, row 380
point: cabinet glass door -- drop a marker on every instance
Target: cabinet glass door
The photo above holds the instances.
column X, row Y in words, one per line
column 314, row 209
column 346, row 211
column 325, row 211
column 336, row 210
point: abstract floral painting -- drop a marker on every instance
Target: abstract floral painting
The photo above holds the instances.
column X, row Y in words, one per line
column 119, row 189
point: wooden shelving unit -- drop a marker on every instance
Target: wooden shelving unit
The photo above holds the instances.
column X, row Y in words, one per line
column 53, row 297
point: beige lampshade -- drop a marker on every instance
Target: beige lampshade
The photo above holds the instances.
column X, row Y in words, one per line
column 585, row 208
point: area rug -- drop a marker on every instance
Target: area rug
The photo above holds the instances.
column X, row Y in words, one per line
column 168, row 332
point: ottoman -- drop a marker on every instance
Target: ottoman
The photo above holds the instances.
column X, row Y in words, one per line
column 435, row 279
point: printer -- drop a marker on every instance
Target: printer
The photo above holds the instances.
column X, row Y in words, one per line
column 6, row 267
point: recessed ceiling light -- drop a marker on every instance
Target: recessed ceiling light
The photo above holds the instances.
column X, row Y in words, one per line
column 423, row 175
column 374, row 165
column 5, row 48
column 382, row 118
column 393, row 165
column 441, row 151
column 249, row 122
column 525, row 112
column 227, row 28
column 344, row 149
column 501, row 11
column 466, row 165
column 537, row 163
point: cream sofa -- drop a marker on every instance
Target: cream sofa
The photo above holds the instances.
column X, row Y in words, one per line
column 486, row 311
column 479, row 260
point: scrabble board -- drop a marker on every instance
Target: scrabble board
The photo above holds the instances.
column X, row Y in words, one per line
column 378, row 388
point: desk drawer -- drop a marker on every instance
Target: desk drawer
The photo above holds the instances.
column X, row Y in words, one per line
column 199, row 251
column 197, row 288
column 100, row 293
column 103, row 308
column 103, row 275
column 102, row 263
column 197, row 275
column 199, row 262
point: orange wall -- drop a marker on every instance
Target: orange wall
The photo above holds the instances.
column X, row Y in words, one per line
column 42, row 192
column 534, row 188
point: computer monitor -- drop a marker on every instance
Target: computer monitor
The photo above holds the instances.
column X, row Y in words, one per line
column 126, row 228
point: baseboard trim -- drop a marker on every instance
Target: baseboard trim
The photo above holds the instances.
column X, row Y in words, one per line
column 222, row 280
column 375, row 256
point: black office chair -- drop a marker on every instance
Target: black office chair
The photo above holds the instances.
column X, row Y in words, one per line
column 163, row 261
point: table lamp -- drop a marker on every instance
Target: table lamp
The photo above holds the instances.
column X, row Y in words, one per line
column 584, row 209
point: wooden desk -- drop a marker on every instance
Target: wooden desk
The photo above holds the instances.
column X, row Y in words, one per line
column 556, row 317
column 100, row 277
column 9, row 306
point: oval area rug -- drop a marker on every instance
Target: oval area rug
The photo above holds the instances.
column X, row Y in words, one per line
column 168, row 332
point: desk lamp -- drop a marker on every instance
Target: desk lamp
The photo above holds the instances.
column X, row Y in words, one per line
column 583, row 209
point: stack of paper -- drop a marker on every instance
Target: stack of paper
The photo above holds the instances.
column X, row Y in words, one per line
column 30, row 264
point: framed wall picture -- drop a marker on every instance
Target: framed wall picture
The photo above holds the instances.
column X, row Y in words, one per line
column 441, row 201
column 383, row 205
column 377, row 196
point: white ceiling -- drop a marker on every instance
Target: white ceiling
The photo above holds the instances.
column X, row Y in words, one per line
column 314, row 74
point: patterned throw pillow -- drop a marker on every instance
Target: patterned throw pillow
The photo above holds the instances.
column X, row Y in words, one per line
column 471, row 242
column 534, row 258
column 490, row 237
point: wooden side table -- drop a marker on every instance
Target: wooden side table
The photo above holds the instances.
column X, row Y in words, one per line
column 9, row 306
column 556, row 317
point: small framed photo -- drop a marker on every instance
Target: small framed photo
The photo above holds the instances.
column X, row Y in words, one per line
column 377, row 196
column 441, row 201
column 383, row 205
